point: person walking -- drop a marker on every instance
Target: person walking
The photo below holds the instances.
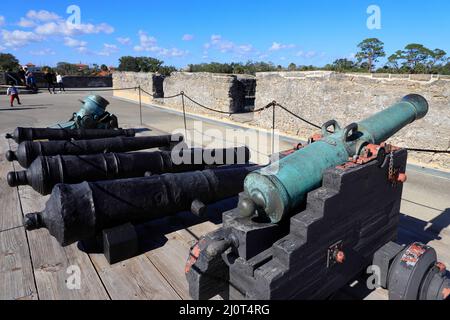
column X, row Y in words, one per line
column 30, row 80
column 59, row 81
column 13, row 94
column 49, row 78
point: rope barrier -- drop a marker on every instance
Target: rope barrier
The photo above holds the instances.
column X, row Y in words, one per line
column 428, row 150
column 96, row 89
column 272, row 104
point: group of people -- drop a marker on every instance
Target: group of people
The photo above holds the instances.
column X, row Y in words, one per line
column 50, row 78
column 27, row 77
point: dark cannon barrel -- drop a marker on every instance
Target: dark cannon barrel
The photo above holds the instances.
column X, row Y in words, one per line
column 21, row 134
column 28, row 151
column 79, row 211
column 45, row 172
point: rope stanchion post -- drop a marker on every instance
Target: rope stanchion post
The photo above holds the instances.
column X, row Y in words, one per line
column 184, row 113
column 274, row 104
column 140, row 104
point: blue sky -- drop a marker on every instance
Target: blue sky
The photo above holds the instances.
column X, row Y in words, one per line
column 183, row 32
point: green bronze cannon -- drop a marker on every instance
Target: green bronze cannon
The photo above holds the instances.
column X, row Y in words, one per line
column 92, row 115
column 276, row 190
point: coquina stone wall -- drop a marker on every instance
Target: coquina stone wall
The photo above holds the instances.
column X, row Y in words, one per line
column 316, row 96
column 217, row 91
column 321, row 96
column 149, row 82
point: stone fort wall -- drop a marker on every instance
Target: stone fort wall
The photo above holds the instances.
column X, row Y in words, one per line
column 317, row 96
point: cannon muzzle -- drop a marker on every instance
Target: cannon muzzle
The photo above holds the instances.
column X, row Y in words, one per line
column 279, row 188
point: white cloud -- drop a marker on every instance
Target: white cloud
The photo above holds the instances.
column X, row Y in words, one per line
column 307, row 54
column 26, row 23
column 69, row 29
column 2, row 20
column 83, row 50
column 146, row 42
column 124, row 41
column 150, row 44
column 43, row 52
column 226, row 46
column 18, row 38
column 42, row 15
column 216, row 38
column 187, row 37
column 108, row 49
column 279, row 46
column 71, row 42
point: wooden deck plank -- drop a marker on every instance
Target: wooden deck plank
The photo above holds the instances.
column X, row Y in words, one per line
column 16, row 272
column 51, row 261
column 170, row 257
column 133, row 279
column 10, row 216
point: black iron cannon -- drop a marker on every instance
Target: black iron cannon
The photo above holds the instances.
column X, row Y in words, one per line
column 28, row 151
column 21, row 134
column 45, row 172
column 79, row 211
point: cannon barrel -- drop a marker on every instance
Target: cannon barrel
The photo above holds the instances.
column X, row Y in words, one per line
column 45, row 172
column 30, row 134
column 79, row 211
column 277, row 189
column 28, row 151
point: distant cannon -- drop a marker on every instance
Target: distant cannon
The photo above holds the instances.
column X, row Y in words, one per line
column 28, row 151
column 30, row 134
column 79, row 211
column 92, row 115
column 45, row 172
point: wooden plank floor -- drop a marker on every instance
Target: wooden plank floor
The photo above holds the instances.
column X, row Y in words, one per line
column 34, row 266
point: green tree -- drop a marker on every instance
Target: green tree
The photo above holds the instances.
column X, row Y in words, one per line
column 292, row 67
column 342, row 65
column 438, row 57
column 66, row 68
column 166, row 70
column 139, row 64
column 144, row 64
column 370, row 51
column 104, row 67
column 416, row 57
column 394, row 60
column 8, row 62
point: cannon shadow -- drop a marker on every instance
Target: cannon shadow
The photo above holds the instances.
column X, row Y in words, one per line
column 153, row 234
column 21, row 108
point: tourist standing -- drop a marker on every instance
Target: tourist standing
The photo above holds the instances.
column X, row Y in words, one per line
column 59, row 81
column 49, row 79
column 29, row 79
column 13, row 94
column 21, row 74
